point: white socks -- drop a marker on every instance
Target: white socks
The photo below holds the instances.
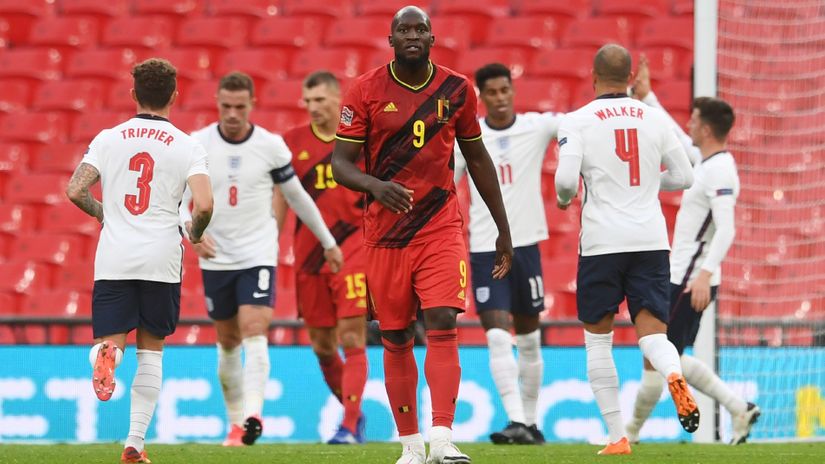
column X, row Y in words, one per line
column 145, row 392
column 530, row 372
column 661, row 354
column 255, row 374
column 414, row 444
column 96, row 348
column 703, row 379
column 505, row 372
column 230, row 374
column 604, row 380
column 649, row 393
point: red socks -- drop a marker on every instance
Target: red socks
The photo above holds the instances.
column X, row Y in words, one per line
column 443, row 373
column 401, row 380
column 332, row 368
column 352, row 386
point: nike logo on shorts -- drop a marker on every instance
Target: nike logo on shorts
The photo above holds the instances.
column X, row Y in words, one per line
column 259, row 295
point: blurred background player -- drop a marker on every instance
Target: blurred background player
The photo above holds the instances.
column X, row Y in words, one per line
column 239, row 253
column 704, row 231
column 617, row 145
column 333, row 306
column 517, row 144
column 407, row 116
column 144, row 164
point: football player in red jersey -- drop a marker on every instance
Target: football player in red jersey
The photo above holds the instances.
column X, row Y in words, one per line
column 333, row 306
column 407, row 116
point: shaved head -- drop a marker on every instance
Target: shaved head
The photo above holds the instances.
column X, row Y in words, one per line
column 612, row 64
column 409, row 10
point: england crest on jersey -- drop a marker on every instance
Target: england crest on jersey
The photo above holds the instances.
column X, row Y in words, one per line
column 234, row 162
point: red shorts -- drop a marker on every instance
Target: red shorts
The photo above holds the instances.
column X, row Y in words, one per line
column 325, row 298
column 428, row 275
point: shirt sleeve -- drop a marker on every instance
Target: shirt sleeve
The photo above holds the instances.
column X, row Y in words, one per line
column 466, row 126
column 550, row 124
column 571, row 151
column 679, row 173
column 282, row 169
column 354, row 122
column 200, row 161
column 721, row 190
column 92, row 155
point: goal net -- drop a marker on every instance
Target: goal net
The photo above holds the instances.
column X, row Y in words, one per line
column 771, row 316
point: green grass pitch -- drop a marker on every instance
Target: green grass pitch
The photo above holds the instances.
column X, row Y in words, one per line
column 386, row 453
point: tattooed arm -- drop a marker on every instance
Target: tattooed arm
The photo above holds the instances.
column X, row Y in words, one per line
column 202, row 204
column 84, row 177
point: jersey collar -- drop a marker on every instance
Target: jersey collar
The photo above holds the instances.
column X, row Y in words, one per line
column 236, row 142
column 151, row 117
column 319, row 135
column 512, row 123
column 717, row 153
column 414, row 88
column 612, row 95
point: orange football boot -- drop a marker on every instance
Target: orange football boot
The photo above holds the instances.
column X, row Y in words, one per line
column 130, row 455
column 103, row 373
column 620, row 447
column 686, row 407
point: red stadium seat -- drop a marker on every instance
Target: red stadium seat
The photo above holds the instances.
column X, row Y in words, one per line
column 451, row 32
column 218, row 34
column 15, row 219
column 193, row 335
column 387, row 8
column 342, row 63
column 560, row 275
column 683, row 7
column 48, row 248
column 112, row 64
column 69, row 95
column 639, row 9
column 245, row 8
column 189, row 121
column 65, row 218
column 665, row 63
column 192, row 63
column 31, row 63
column 534, row 94
column 58, row 157
column 119, row 96
column 560, row 305
column 13, row 157
column 199, row 95
column 21, row 14
column 24, row 277
column 15, row 95
column 147, row 33
column 568, row 8
column 524, row 32
column 287, row 95
column 479, row 19
column 358, row 33
column 674, row 94
column 289, row 34
column 33, row 127
column 595, row 32
column 572, row 64
column 322, row 9
column 279, row 121
column 472, row 336
column 260, row 64
column 37, row 188
column 87, row 126
column 107, row 9
column 77, row 276
column 667, row 32
column 64, row 33
column 172, row 8
column 8, row 307
column 514, row 58
column 58, row 303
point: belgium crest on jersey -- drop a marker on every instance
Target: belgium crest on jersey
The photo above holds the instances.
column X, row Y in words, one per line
column 442, row 109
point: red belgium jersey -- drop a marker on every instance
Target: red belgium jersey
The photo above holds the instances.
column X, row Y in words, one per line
column 409, row 134
column 341, row 208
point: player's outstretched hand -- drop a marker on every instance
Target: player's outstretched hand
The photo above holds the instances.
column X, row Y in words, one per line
column 205, row 246
column 335, row 258
column 393, row 196
column 641, row 85
column 504, row 256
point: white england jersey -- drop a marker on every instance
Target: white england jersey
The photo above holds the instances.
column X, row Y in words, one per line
column 143, row 164
column 517, row 153
column 620, row 144
column 243, row 175
column 706, row 206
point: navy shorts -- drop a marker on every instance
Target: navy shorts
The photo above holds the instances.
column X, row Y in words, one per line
column 684, row 320
column 120, row 306
column 603, row 281
column 227, row 290
column 521, row 291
